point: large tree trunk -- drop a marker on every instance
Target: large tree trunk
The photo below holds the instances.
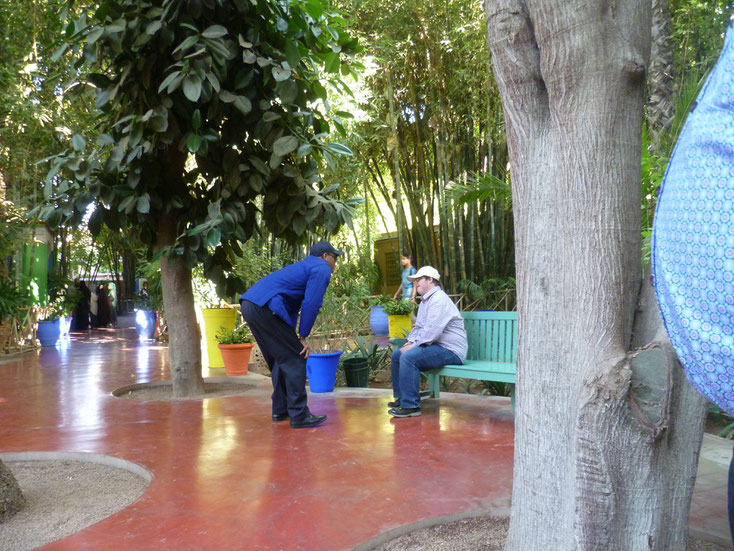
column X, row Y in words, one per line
column 11, row 498
column 607, row 432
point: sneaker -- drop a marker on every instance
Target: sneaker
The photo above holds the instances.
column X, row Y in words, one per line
column 405, row 412
column 395, row 404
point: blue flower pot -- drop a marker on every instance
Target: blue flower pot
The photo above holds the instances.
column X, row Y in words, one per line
column 145, row 323
column 379, row 322
column 321, row 370
column 49, row 332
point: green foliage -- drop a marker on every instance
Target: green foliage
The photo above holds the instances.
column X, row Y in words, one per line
column 239, row 335
column 235, row 87
column 377, row 357
column 490, row 292
column 402, row 307
column 10, row 299
column 151, row 272
column 63, row 296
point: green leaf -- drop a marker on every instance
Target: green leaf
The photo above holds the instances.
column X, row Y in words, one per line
column 213, row 237
column 78, row 142
column 193, row 143
column 260, row 166
column 192, row 87
column 226, row 96
column 105, row 139
column 59, row 52
column 292, row 54
column 298, row 225
column 187, row 43
column 285, row 145
column 116, row 26
column 196, row 120
column 95, row 35
column 314, row 8
column 143, row 204
column 243, row 104
column 215, row 31
column 332, row 63
column 280, row 74
column 304, row 149
column 153, row 27
column 288, row 91
column 340, row 149
column 198, row 229
column 126, row 202
column 168, row 80
column 269, row 116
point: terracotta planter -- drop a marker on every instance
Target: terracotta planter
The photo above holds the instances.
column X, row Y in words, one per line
column 236, row 357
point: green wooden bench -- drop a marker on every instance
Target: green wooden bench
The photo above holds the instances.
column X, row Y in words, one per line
column 492, row 354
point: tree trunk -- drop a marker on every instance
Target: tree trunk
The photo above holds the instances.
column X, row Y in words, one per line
column 184, row 346
column 11, row 498
column 596, row 408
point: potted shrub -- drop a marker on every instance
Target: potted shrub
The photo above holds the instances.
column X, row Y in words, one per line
column 236, row 346
column 360, row 359
column 145, row 316
column 398, row 315
column 326, row 340
column 379, row 322
column 49, row 329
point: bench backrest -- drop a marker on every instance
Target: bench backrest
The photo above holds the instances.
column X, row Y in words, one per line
column 491, row 336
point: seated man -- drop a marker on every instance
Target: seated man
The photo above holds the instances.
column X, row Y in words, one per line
column 437, row 339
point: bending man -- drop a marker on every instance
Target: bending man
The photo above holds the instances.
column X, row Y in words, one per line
column 270, row 308
column 437, row 339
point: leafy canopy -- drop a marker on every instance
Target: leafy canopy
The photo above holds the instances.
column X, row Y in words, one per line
column 211, row 111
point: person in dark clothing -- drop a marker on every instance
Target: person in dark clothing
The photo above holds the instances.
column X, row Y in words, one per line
column 103, row 306
column 80, row 316
column 270, row 308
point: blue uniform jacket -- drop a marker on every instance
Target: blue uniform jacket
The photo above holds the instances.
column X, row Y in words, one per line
column 300, row 286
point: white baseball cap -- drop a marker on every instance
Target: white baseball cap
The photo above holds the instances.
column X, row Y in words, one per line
column 425, row 271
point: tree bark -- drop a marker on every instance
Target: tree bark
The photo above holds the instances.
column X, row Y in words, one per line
column 11, row 497
column 607, row 428
column 184, row 345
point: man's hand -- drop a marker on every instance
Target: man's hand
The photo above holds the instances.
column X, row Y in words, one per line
column 407, row 346
column 306, row 348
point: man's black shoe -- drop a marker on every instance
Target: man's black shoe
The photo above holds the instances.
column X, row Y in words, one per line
column 279, row 417
column 395, row 404
column 405, row 412
column 307, row 422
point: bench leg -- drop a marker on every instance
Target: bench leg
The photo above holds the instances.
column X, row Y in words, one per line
column 512, row 396
column 434, row 385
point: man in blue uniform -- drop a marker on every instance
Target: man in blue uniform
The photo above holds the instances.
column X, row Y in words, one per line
column 270, row 308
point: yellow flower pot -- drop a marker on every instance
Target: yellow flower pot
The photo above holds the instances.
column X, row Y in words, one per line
column 214, row 319
column 399, row 326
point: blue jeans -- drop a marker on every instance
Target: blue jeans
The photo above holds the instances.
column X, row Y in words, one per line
column 406, row 368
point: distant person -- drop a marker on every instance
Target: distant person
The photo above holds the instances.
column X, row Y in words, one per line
column 270, row 307
column 112, row 293
column 438, row 338
column 103, row 306
column 93, row 319
column 80, row 316
column 144, row 293
column 406, row 289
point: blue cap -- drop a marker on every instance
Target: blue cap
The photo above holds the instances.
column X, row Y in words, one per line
column 323, row 247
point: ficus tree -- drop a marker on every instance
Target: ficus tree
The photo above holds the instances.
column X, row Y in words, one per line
column 607, row 427
column 214, row 116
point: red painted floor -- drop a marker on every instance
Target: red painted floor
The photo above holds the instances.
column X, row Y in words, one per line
column 226, row 478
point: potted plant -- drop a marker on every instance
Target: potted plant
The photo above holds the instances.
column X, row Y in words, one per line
column 236, row 346
column 398, row 315
column 379, row 322
column 326, row 345
column 360, row 359
column 49, row 328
